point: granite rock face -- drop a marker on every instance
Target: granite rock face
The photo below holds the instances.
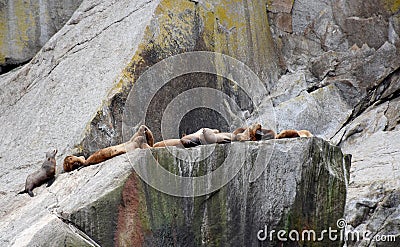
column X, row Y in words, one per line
column 50, row 102
column 301, row 186
column 25, row 26
column 330, row 66
column 351, row 50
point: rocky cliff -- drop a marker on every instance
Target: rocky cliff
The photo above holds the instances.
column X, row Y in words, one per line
column 25, row 26
column 343, row 81
column 302, row 188
column 329, row 66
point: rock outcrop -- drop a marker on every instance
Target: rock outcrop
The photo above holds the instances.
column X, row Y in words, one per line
column 346, row 56
column 301, row 187
column 26, row 26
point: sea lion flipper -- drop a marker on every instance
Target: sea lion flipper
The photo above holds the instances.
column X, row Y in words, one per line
column 226, row 140
column 30, row 193
column 21, row 192
column 188, row 143
column 50, row 182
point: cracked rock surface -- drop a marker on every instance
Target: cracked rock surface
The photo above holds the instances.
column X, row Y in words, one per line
column 351, row 49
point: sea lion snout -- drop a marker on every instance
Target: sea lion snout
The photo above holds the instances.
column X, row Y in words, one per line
column 51, row 154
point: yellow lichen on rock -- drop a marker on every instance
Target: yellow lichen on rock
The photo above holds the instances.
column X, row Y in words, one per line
column 392, row 5
column 3, row 35
column 24, row 20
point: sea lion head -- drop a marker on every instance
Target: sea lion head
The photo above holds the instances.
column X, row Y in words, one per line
column 51, row 154
column 255, row 131
column 146, row 132
column 143, row 130
column 141, row 142
column 72, row 162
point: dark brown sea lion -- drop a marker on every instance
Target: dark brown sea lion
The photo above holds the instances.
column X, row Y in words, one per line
column 265, row 134
column 46, row 174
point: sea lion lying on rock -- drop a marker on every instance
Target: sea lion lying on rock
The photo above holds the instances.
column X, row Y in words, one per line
column 169, row 143
column 143, row 139
column 252, row 133
column 265, row 134
column 196, row 138
column 212, row 137
column 293, row 134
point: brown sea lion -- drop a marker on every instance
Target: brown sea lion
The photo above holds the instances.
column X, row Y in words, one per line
column 46, row 173
column 146, row 132
column 239, row 130
column 287, row 134
column 293, row 134
column 73, row 162
column 250, row 134
column 110, row 152
column 168, row 143
column 138, row 140
column 305, row 133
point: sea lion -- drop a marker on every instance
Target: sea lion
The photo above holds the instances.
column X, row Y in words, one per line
column 146, row 132
column 304, row 133
column 73, row 162
column 110, row 152
column 168, row 143
column 211, row 137
column 250, row 134
column 198, row 138
column 193, row 139
column 239, row 130
column 138, row 140
column 208, row 136
column 287, row 134
column 265, row 134
column 293, row 134
column 46, row 173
